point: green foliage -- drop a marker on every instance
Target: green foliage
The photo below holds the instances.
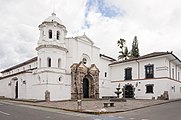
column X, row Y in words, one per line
column 124, row 53
column 135, row 49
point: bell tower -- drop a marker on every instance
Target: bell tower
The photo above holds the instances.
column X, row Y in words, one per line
column 51, row 47
column 52, row 31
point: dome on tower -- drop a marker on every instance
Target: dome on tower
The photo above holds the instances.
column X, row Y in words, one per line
column 53, row 18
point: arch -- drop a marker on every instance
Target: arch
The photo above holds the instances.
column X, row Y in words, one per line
column 48, row 62
column 85, row 88
column 50, row 34
column 128, row 91
column 58, row 35
column 16, row 90
column 59, row 63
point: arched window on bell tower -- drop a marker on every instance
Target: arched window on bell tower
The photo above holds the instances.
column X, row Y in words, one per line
column 59, row 63
column 58, row 35
column 50, row 34
column 48, row 62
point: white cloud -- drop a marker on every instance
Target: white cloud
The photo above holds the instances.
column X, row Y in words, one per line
column 157, row 25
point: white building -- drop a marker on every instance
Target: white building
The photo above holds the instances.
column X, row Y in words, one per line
column 73, row 68
column 150, row 76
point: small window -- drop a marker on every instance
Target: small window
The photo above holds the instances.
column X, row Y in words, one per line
column 58, row 35
column 149, row 71
column 60, row 79
column 50, row 34
column 59, row 63
column 149, row 88
column 48, row 62
column 105, row 74
column 39, row 79
column 39, row 62
column 43, row 33
column 84, row 60
column 128, row 74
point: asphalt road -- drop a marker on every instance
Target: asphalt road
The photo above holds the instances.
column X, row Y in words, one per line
column 24, row 112
column 169, row 111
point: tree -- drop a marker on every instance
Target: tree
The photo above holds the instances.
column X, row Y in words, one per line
column 135, row 49
column 124, row 54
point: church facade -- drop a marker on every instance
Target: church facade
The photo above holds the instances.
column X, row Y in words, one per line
column 73, row 68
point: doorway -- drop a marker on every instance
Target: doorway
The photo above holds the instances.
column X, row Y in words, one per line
column 16, row 90
column 128, row 91
column 85, row 88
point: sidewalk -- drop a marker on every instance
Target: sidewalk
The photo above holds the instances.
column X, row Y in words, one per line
column 92, row 106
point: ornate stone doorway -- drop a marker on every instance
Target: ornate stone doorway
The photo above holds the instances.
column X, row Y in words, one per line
column 84, row 81
column 128, row 91
column 85, row 88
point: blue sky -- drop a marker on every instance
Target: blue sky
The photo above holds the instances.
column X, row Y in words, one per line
column 105, row 10
column 101, row 7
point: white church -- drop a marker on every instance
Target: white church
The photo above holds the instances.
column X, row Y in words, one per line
column 73, row 68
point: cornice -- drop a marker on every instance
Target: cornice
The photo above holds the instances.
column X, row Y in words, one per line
column 51, row 46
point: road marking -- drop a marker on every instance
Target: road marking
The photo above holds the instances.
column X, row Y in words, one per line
column 4, row 113
column 131, row 118
column 144, row 119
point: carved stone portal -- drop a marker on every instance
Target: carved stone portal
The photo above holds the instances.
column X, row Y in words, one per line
column 84, row 81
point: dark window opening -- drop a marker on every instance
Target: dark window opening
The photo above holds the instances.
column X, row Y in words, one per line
column 58, row 35
column 149, row 88
column 49, row 62
column 105, row 74
column 60, row 79
column 128, row 74
column 50, row 34
column 149, row 71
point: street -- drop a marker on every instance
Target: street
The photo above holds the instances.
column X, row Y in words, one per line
column 169, row 111
column 11, row 111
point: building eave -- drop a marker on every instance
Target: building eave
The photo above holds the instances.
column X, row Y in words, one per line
column 107, row 57
column 20, row 65
column 151, row 55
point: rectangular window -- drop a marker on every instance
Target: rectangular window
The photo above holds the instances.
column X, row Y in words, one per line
column 128, row 74
column 178, row 75
column 173, row 73
column 149, row 71
column 149, row 88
